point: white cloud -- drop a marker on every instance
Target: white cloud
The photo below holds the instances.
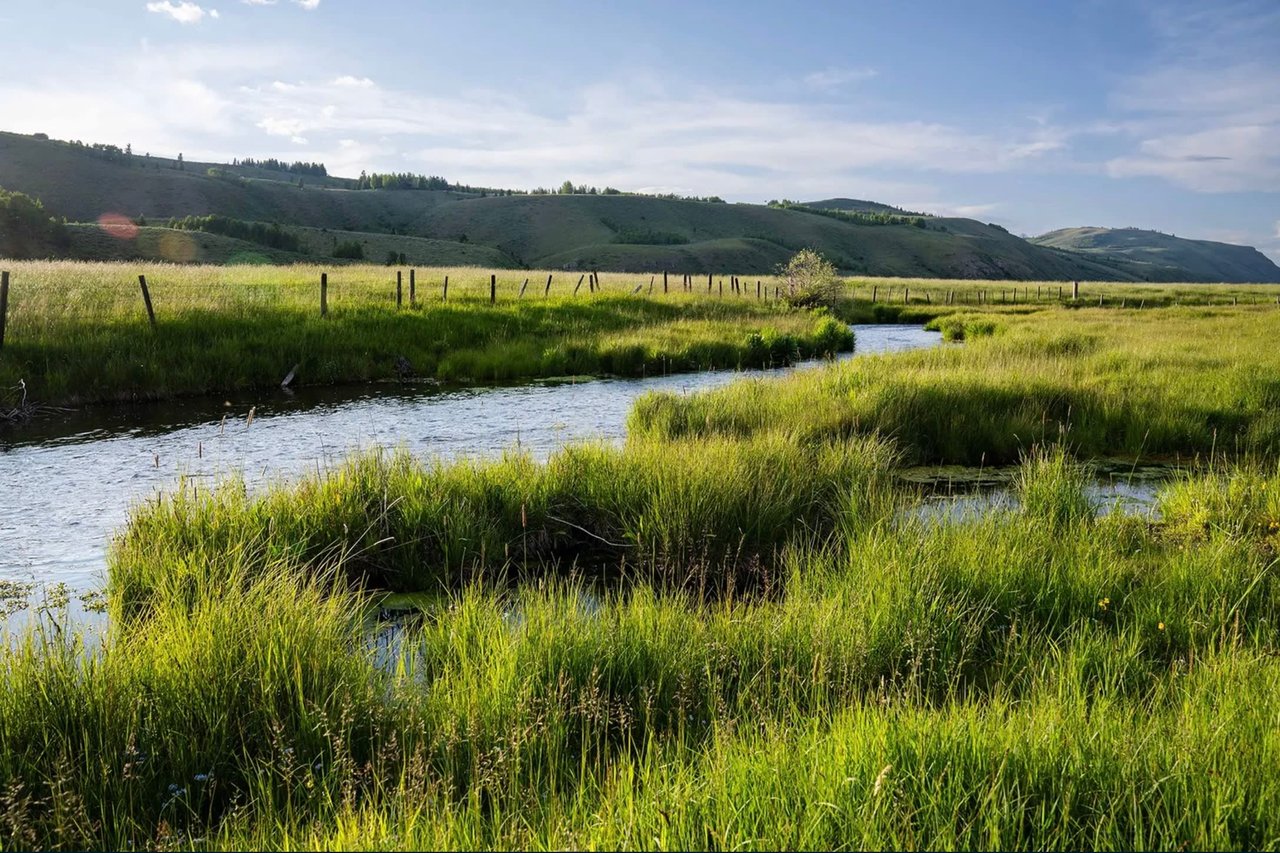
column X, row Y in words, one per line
column 834, row 78
column 1206, row 115
column 183, row 12
column 309, row 5
column 282, row 126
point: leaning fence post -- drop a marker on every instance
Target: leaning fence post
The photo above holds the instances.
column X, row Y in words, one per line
column 522, row 287
column 546, row 291
column 146, row 299
column 324, row 294
column 579, row 284
column 4, row 303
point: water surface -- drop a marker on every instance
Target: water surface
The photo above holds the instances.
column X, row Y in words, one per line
column 68, row 483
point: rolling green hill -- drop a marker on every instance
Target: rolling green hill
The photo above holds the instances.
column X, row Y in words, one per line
column 505, row 230
column 1166, row 255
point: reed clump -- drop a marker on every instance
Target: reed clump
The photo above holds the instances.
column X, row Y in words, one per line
column 705, row 513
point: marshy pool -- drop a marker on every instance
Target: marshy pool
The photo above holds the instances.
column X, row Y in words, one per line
column 68, row 483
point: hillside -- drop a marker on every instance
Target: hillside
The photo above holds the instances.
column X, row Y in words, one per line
column 1196, row 260
column 580, row 231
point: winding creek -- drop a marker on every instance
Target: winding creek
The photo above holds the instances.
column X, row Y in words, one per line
column 68, row 484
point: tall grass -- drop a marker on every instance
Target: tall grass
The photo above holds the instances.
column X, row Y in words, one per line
column 727, row 633
column 79, row 332
column 694, row 514
column 989, row 681
column 1107, row 382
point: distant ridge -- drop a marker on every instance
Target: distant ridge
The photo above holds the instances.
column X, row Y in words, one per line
column 607, row 231
column 1164, row 254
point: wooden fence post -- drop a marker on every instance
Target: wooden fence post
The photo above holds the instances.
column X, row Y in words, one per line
column 1075, row 290
column 579, row 284
column 522, row 287
column 4, row 303
column 875, row 291
column 146, row 299
column 324, row 294
column 757, row 288
column 413, row 287
column 721, row 288
column 399, row 289
column 651, row 278
column 906, row 295
column 444, row 297
column 664, row 281
column 546, row 291
column 708, row 282
column 493, row 288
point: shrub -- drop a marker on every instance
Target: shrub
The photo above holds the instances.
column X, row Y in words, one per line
column 810, row 280
column 350, row 250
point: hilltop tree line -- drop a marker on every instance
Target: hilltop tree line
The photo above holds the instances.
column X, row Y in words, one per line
column 27, row 230
column 570, row 188
column 315, row 170
column 857, row 217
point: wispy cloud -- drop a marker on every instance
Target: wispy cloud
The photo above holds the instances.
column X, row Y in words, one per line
column 835, row 78
column 183, row 12
column 1206, row 116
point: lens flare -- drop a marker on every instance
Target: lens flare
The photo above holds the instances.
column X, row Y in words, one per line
column 118, row 225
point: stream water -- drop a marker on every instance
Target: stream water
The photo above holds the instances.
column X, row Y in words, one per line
column 67, row 484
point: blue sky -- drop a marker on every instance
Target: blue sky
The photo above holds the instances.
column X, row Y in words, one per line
column 1033, row 115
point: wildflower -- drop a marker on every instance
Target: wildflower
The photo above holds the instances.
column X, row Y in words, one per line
column 1103, row 603
column 201, row 777
column 1160, row 627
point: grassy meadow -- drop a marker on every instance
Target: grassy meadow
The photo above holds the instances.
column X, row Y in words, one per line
column 78, row 332
column 731, row 632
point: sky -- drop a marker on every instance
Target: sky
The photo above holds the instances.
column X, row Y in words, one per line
column 1033, row 115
